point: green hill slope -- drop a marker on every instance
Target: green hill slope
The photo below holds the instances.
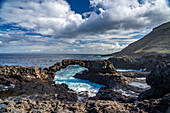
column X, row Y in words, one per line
column 156, row 42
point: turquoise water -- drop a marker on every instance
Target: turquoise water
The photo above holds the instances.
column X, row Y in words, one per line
column 62, row 76
column 66, row 76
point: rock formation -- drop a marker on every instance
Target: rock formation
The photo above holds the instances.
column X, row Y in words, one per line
column 59, row 98
column 92, row 65
column 15, row 73
column 144, row 62
column 29, row 80
column 99, row 71
column 159, row 80
column 125, row 62
column 44, row 103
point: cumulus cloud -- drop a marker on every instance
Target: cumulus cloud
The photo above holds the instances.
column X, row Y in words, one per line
column 118, row 21
column 46, row 17
column 56, row 17
column 121, row 15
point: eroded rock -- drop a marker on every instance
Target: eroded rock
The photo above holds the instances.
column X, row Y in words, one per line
column 159, row 80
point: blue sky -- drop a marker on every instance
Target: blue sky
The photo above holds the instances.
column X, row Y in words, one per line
column 77, row 26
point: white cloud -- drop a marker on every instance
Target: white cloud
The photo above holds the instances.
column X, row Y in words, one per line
column 0, row 42
column 56, row 17
column 118, row 19
column 46, row 18
column 120, row 16
column 36, row 50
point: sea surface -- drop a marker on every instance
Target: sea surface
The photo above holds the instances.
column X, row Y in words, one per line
column 62, row 76
column 42, row 60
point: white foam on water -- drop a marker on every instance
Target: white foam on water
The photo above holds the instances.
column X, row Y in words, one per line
column 92, row 93
column 103, row 57
column 139, row 84
column 142, row 78
column 66, row 76
column 125, row 93
column 131, row 70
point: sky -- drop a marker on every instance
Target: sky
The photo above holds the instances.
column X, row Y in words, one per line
column 77, row 26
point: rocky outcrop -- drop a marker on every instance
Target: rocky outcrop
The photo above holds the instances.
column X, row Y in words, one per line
column 92, row 65
column 160, row 77
column 159, row 80
column 106, row 93
column 145, row 62
column 15, row 73
column 109, row 79
column 59, row 98
column 125, row 62
column 134, row 74
column 46, row 103
column 29, row 80
column 99, row 71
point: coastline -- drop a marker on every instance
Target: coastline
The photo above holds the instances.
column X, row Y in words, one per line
column 36, row 84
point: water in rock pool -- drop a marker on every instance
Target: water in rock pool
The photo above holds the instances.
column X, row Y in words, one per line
column 62, row 76
column 66, row 76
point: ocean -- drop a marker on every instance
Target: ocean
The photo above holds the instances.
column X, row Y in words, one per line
column 62, row 76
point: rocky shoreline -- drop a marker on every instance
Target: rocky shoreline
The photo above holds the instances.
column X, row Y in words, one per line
column 31, row 89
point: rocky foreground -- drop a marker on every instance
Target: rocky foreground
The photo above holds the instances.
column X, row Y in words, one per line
column 31, row 89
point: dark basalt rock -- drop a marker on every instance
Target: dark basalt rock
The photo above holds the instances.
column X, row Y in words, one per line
column 106, row 93
column 125, row 63
column 99, row 71
column 160, row 76
column 92, row 65
column 67, row 97
column 43, row 103
column 14, row 74
column 28, row 80
column 134, row 74
column 158, row 79
column 38, row 87
column 109, row 79
column 145, row 62
column 160, row 105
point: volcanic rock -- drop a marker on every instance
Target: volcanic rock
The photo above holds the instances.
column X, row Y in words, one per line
column 159, row 80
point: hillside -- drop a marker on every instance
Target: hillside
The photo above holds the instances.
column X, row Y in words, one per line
column 156, row 42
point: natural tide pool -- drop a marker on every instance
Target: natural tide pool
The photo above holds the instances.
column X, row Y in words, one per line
column 66, row 76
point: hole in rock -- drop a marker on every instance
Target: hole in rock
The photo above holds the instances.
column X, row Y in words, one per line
column 66, row 76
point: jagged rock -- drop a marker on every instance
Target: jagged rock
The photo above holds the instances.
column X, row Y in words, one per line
column 159, row 80
column 28, row 80
column 147, row 62
column 160, row 76
column 109, row 79
column 125, row 63
column 16, row 73
column 134, row 74
column 44, row 103
column 99, row 71
column 106, row 93
column 92, row 65
column 67, row 97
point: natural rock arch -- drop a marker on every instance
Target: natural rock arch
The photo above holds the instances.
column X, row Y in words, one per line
column 92, row 65
column 99, row 71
